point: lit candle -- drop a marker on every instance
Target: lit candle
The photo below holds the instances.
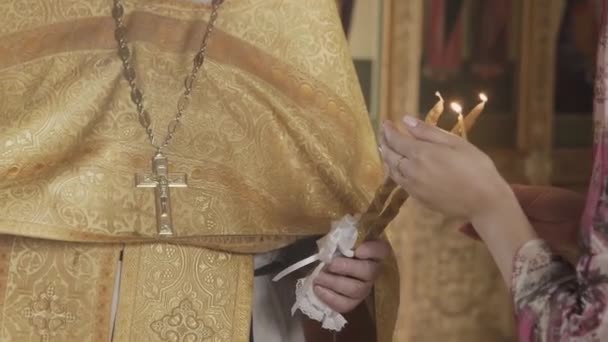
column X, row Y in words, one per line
column 433, row 115
column 458, row 109
column 469, row 121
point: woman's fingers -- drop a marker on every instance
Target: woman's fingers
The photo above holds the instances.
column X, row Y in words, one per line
column 429, row 133
column 399, row 167
column 402, row 144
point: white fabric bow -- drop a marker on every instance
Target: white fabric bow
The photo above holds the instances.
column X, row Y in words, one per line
column 338, row 242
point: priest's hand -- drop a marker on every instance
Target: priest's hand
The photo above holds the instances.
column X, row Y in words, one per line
column 346, row 282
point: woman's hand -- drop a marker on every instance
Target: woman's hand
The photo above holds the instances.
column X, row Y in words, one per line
column 451, row 175
column 442, row 170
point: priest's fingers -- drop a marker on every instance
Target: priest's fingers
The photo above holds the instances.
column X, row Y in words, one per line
column 334, row 300
column 374, row 250
column 348, row 287
column 425, row 132
column 364, row 270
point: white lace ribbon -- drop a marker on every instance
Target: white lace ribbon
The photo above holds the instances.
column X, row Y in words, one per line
column 339, row 242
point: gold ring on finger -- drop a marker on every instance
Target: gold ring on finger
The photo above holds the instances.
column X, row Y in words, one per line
column 400, row 167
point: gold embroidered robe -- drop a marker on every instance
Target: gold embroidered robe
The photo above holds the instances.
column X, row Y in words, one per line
column 276, row 144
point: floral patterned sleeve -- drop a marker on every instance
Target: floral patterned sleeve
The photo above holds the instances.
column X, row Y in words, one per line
column 554, row 302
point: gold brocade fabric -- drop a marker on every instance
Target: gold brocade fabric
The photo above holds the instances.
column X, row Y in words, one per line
column 186, row 294
column 55, row 291
column 448, row 281
column 276, row 144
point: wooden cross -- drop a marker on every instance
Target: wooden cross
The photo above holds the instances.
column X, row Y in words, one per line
column 161, row 180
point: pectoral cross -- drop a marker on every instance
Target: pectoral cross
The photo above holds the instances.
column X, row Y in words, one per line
column 161, row 180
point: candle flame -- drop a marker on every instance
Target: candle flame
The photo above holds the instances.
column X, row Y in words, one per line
column 439, row 96
column 456, row 107
column 483, row 97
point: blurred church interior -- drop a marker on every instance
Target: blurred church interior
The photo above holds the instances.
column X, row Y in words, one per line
column 535, row 61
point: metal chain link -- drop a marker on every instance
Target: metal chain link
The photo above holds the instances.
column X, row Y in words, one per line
column 129, row 73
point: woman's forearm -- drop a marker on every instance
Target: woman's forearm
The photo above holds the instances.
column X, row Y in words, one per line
column 504, row 228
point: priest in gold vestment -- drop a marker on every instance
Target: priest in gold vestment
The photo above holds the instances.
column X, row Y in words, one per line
column 273, row 143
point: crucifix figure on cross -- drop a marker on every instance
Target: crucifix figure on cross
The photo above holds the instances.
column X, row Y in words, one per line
column 161, row 180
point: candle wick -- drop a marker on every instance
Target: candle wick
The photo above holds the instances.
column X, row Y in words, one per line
column 439, row 96
column 456, row 107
